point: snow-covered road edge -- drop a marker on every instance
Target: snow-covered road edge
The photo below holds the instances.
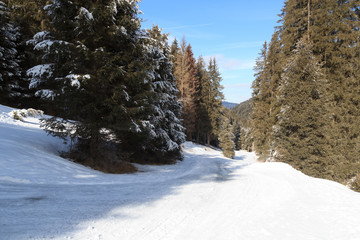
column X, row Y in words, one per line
column 206, row 196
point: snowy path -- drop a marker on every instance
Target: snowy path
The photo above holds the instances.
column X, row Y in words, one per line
column 203, row 197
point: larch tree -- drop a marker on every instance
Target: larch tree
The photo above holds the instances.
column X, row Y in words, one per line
column 185, row 74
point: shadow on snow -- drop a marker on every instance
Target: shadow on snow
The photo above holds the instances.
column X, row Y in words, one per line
column 39, row 210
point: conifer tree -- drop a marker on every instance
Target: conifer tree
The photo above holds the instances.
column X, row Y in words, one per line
column 332, row 26
column 203, row 125
column 226, row 138
column 29, row 16
column 261, row 108
column 242, row 122
column 30, row 19
column 105, row 73
column 10, row 71
column 265, row 103
column 301, row 129
column 186, row 78
column 238, row 138
column 337, row 42
column 174, row 51
column 212, row 99
column 294, row 19
column 60, row 58
column 194, row 83
column 166, row 129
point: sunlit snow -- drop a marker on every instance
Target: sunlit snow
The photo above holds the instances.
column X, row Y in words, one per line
column 205, row 196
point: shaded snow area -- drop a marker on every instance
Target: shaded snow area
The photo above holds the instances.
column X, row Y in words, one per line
column 206, row 196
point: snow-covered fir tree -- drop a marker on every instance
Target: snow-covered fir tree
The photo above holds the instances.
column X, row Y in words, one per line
column 10, row 70
column 59, row 52
column 167, row 132
column 111, row 78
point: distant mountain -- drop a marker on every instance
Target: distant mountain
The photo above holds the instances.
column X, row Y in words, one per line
column 241, row 113
column 229, row 105
column 243, row 110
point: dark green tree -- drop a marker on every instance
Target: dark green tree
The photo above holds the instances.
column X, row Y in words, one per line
column 337, row 42
column 166, row 134
column 212, row 99
column 265, row 103
column 300, row 132
column 261, row 107
column 242, row 121
column 332, row 27
column 10, row 71
column 174, row 51
column 226, row 138
column 203, row 125
column 238, row 137
column 30, row 19
column 109, row 76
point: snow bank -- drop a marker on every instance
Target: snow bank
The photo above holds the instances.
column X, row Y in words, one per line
column 203, row 197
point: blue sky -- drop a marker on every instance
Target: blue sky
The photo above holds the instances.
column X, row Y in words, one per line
column 233, row 31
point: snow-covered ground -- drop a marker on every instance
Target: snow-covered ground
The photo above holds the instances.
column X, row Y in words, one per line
column 206, row 196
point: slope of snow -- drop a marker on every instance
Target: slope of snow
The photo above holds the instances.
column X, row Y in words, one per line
column 206, row 196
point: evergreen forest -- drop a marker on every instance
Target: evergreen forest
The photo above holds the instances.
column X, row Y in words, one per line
column 306, row 92
column 119, row 94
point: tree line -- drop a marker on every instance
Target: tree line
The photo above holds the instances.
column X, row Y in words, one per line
column 306, row 92
column 120, row 93
column 205, row 119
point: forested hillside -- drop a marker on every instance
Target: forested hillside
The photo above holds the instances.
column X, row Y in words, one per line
column 306, row 91
column 229, row 105
column 240, row 116
column 120, row 93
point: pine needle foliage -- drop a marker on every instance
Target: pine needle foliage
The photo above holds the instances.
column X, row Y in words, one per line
column 327, row 144
column 301, row 129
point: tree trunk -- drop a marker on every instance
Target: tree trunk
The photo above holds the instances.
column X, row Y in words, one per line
column 208, row 139
column 309, row 13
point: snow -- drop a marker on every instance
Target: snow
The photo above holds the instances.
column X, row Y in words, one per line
column 45, row 93
column 37, row 72
column 205, row 196
column 74, row 79
column 44, row 45
column 84, row 12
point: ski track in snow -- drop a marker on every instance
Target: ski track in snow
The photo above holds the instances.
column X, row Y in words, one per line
column 206, row 196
